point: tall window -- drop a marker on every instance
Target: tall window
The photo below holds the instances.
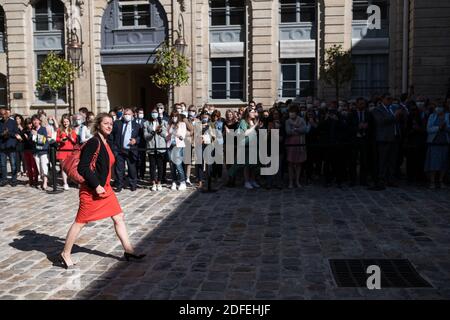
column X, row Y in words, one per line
column 49, row 15
column 134, row 13
column 227, row 79
column 48, row 18
column 371, row 74
column 297, row 78
column 227, row 12
column 295, row 11
column 2, row 30
column 3, row 93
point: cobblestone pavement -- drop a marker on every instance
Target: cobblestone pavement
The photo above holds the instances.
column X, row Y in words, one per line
column 233, row 244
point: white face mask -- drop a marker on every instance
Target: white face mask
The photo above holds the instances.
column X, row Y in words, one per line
column 174, row 119
column 141, row 116
column 114, row 118
column 78, row 122
column 185, row 113
column 127, row 117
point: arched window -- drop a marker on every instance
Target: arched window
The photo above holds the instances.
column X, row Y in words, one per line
column 48, row 33
column 132, row 30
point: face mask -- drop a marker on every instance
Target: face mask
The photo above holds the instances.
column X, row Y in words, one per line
column 205, row 120
column 440, row 110
column 420, row 104
column 191, row 114
column 127, row 117
column 154, row 115
column 174, row 119
column 185, row 113
column 119, row 114
column 78, row 122
column 179, row 110
column 114, row 118
column 302, row 113
column 284, row 110
column 160, row 111
column 292, row 115
column 141, row 116
column 51, row 122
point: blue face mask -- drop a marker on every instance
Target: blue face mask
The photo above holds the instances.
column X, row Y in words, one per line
column 395, row 106
column 440, row 110
column 155, row 115
column 205, row 120
column 119, row 114
column 284, row 110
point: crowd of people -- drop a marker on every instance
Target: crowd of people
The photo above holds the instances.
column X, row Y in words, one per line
column 374, row 143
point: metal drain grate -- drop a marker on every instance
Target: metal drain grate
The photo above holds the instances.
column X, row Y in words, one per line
column 395, row 273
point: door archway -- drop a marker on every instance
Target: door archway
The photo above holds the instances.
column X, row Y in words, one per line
column 131, row 33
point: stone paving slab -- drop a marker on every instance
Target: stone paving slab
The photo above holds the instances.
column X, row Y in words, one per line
column 233, row 244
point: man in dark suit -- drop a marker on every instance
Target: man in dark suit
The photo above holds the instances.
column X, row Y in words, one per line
column 125, row 139
column 361, row 145
column 8, row 142
column 142, row 159
column 387, row 137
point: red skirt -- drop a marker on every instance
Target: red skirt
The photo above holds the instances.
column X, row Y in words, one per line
column 96, row 207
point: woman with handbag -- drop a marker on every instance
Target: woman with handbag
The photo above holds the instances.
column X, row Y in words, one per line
column 97, row 198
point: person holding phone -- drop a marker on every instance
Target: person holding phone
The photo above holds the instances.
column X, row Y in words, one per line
column 155, row 132
column 66, row 138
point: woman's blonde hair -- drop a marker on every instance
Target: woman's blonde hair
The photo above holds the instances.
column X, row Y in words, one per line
column 98, row 120
column 69, row 128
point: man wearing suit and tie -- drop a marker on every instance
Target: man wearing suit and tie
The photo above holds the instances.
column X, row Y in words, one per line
column 142, row 159
column 387, row 137
column 125, row 139
column 361, row 147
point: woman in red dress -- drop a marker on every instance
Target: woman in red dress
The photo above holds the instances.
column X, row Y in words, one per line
column 97, row 198
column 67, row 140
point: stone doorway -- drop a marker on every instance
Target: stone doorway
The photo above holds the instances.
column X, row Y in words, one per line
column 131, row 86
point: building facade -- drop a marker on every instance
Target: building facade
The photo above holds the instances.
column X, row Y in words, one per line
column 262, row 50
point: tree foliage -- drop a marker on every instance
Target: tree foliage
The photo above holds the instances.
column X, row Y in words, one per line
column 337, row 68
column 172, row 68
column 56, row 73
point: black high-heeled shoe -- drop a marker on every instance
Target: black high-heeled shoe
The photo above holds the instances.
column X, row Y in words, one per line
column 130, row 256
column 64, row 263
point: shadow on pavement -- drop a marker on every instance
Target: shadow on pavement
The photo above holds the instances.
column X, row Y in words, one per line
column 49, row 245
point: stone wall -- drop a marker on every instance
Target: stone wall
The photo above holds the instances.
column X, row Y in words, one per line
column 430, row 59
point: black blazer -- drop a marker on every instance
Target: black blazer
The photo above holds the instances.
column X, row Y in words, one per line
column 116, row 136
column 99, row 175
